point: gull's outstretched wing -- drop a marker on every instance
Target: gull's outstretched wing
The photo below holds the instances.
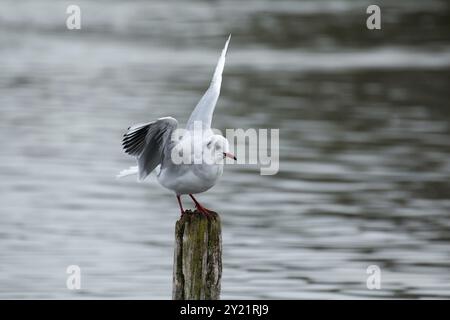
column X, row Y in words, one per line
column 205, row 108
column 148, row 143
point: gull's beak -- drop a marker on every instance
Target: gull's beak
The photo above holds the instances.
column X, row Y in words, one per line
column 229, row 155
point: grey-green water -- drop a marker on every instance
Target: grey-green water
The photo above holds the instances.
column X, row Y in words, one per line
column 364, row 121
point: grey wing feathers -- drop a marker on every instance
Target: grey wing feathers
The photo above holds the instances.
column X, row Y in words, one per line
column 204, row 109
column 147, row 142
column 134, row 140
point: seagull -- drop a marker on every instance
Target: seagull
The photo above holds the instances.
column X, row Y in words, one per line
column 154, row 144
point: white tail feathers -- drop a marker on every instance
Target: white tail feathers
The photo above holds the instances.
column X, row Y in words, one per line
column 127, row 172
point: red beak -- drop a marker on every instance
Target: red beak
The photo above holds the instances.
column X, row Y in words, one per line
column 229, row 155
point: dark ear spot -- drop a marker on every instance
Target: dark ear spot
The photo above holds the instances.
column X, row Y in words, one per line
column 208, row 145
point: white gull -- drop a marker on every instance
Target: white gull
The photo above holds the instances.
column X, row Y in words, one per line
column 153, row 145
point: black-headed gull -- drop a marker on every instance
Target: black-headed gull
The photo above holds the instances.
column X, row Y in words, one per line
column 203, row 151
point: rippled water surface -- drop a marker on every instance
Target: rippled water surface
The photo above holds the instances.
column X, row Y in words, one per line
column 364, row 121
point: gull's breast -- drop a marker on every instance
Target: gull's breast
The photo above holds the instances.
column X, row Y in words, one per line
column 192, row 178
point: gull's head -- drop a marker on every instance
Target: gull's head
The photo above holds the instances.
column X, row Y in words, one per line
column 219, row 148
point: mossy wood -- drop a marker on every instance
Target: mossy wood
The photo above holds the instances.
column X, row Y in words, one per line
column 197, row 269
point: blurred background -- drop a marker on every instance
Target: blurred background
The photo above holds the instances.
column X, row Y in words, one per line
column 364, row 121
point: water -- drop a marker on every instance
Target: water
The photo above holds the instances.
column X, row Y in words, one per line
column 364, row 146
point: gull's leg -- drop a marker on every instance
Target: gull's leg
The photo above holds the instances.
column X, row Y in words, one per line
column 179, row 203
column 200, row 207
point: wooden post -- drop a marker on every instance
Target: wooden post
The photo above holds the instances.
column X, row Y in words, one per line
column 197, row 268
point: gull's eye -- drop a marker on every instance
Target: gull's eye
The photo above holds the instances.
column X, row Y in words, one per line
column 217, row 147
